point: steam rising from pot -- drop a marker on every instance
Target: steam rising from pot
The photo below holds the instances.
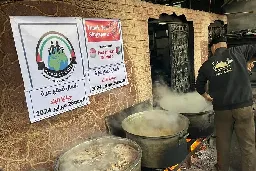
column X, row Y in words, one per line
column 180, row 102
column 155, row 123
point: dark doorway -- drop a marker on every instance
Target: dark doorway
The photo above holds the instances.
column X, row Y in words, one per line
column 171, row 43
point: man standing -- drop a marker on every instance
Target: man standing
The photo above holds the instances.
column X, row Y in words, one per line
column 231, row 95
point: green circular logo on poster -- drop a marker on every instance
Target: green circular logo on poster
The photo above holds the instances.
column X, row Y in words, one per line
column 55, row 56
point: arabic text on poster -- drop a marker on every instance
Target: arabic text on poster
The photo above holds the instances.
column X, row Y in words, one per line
column 107, row 78
column 57, row 99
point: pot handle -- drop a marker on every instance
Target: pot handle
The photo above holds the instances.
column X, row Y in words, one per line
column 183, row 137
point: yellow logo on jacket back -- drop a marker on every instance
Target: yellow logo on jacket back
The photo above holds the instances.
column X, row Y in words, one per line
column 222, row 67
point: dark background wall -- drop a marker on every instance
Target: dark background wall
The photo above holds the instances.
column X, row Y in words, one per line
column 241, row 21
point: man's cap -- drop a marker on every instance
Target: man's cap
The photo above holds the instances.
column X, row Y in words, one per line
column 218, row 39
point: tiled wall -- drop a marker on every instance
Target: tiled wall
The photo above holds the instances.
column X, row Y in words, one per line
column 25, row 146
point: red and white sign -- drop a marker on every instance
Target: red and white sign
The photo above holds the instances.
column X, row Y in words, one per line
column 104, row 47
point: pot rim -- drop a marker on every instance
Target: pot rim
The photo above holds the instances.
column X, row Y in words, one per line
column 180, row 133
column 211, row 112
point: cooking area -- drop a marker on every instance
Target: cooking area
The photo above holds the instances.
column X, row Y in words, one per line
column 149, row 132
column 112, row 85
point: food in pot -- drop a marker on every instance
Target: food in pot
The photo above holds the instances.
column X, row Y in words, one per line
column 154, row 123
column 99, row 157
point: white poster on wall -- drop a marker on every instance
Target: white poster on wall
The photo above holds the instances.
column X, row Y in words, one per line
column 51, row 54
column 104, row 47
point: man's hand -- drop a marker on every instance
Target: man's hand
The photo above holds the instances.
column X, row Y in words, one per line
column 207, row 97
column 250, row 65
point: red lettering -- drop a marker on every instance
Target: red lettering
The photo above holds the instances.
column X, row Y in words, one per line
column 100, row 53
column 69, row 97
column 106, row 54
column 108, row 79
column 54, row 101
column 58, row 100
column 103, row 80
column 61, row 99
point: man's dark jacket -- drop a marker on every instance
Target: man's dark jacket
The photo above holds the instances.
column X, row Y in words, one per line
column 227, row 73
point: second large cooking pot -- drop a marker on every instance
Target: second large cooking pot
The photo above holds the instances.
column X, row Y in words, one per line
column 160, row 134
column 201, row 124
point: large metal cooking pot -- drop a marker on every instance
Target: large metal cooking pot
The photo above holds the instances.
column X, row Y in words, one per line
column 201, row 124
column 134, row 166
column 160, row 134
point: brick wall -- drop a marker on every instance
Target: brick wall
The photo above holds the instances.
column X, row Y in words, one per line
column 24, row 146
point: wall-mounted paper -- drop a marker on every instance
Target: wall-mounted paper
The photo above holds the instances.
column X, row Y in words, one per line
column 51, row 54
column 104, row 46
